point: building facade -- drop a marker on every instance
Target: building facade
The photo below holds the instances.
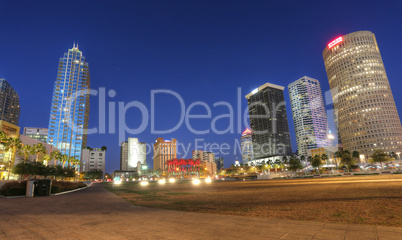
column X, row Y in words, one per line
column 268, row 122
column 7, row 158
column 9, row 103
column 133, row 154
column 39, row 134
column 309, row 114
column 246, row 146
column 164, row 150
column 70, row 105
column 93, row 159
column 219, row 163
column 26, row 140
column 366, row 114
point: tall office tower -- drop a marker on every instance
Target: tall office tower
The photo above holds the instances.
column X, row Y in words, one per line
column 70, row 105
column 164, row 150
column 36, row 133
column 137, row 154
column 309, row 115
column 268, row 122
column 124, row 156
column 246, row 146
column 366, row 113
column 9, row 103
column 219, row 163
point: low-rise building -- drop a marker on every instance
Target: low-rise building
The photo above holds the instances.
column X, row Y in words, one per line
column 36, row 133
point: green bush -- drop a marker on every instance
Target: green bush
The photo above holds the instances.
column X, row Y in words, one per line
column 56, row 189
column 17, row 191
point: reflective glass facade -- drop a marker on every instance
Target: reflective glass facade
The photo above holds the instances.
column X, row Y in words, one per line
column 309, row 114
column 70, row 104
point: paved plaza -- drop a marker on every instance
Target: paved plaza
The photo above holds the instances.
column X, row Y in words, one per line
column 95, row 213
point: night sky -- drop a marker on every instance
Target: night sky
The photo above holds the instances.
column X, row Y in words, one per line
column 203, row 50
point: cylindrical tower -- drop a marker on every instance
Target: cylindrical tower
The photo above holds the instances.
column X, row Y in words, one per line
column 364, row 108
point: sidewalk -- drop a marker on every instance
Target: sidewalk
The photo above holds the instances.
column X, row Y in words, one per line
column 95, row 213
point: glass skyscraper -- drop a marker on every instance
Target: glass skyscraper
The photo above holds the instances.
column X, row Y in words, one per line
column 269, row 123
column 9, row 103
column 246, row 146
column 309, row 115
column 70, row 104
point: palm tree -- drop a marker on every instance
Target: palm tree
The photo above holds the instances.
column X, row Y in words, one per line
column 324, row 157
column 26, row 151
column 37, row 149
column 63, row 159
column 276, row 165
column 310, row 159
column 11, row 144
column 46, row 159
column 3, row 136
column 70, row 160
column 57, row 156
column 356, row 155
column 337, row 155
column 302, row 158
column 269, row 165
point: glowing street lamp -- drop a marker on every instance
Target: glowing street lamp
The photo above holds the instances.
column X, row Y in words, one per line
column 208, row 180
column 144, row 183
column 196, row 181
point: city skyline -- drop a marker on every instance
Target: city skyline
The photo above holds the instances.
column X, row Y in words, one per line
column 261, row 62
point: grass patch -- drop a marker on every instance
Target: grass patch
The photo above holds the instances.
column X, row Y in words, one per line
column 369, row 199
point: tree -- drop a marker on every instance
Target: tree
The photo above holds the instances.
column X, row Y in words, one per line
column 337, row 155
column 26, row 151
column 64, row 158
column 276, row 165
column 94, row 174
column 380, row 156
column 324, row 157
column 57, row 156
column 38, row 149
column 316, row 162
column 24, row 168
column 295, row 164
column 347, row 159
column 103, row 148
column 89, row 148
column 310, row 159
column 302, row 158
column 46, row 159
column 11, row 144
column 356, row 155
column 285, row 160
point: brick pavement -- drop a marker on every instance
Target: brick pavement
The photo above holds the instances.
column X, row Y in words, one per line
column 95, row 213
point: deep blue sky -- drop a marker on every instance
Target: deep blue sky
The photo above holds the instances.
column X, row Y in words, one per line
column 203, row 50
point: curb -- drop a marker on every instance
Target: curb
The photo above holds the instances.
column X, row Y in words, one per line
column 74, row 190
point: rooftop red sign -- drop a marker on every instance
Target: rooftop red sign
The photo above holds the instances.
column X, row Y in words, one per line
column 335, row 42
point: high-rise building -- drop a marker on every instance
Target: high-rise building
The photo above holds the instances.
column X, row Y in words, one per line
column 246, row 146
column 132, row 154
column 164, row 150
column 268, row 122
column 204, row 155
column 219, row 163
column 124, row 156
column 36, row 133
column 367, row 117
column 9, row 103
column 309, row 114
column 70, row 104
column 93, row 159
